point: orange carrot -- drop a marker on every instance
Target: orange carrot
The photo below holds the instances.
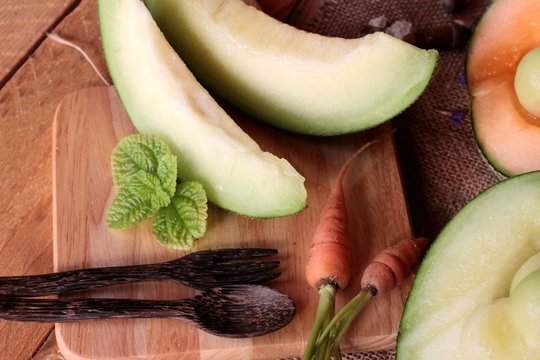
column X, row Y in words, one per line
column 392, row 265
column 329, row 264
column 329, row 256
column 387, row 270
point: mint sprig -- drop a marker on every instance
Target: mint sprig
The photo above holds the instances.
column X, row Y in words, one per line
column 184, row 220
column 147, row 153
column 144, row 174
column 137, row 201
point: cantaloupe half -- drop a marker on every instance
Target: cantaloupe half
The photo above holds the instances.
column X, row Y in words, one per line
column 507, row 133
column 292, row 79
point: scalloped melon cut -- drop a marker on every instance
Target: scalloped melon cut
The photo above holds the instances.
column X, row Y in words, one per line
column 465, row 301
column 292, row 79
column 163, row 98
column 503, row 77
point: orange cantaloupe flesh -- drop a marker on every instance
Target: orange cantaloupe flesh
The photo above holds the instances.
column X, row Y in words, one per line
column 508, row 136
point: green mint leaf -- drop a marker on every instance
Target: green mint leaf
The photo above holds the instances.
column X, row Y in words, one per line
column 184, row 220
column 166, row 172
column 147, row 153
column 147, row 186
column 137, row 201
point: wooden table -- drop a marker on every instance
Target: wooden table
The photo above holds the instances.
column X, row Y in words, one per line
column 36, row 72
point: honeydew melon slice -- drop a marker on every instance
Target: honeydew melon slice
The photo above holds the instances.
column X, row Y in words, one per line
column 507, row 133
column 163, row 98
column 295, row 80
column 469, row 266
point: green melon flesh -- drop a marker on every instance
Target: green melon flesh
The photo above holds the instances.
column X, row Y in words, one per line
column 525, row 310
column 506, row 132
column 292, row 79
column 163, row 98
column 527, row 82
column 489, row 334
column 528, row 267
column 470, row 266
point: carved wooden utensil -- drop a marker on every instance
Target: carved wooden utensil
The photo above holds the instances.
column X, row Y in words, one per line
column 236, row 311
column 200, row 270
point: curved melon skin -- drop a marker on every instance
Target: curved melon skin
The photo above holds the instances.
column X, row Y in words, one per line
column 295, row 80
column 162, row 97
column 470, row 265
column 506, row 134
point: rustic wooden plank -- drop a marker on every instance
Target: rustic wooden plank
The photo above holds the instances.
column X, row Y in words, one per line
column 23, row 24
column 27, row 105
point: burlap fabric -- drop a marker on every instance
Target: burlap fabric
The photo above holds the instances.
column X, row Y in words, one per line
column 441, row 164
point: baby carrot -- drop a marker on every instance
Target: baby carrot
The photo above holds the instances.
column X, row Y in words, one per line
column 329, row 264
column 329, row 256
column 387, row 270
column 392, row 265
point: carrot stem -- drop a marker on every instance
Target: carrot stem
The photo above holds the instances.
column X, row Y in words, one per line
column 325, row 311
column 325, row 345
column 338, row 326
column 337, row 353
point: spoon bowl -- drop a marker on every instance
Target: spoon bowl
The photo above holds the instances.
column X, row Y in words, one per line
column 243, row 310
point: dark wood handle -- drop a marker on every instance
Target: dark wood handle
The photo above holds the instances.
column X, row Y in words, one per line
column 78, row 280
column 58, row 310
column 200, row 270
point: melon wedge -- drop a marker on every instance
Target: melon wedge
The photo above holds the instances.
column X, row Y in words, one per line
column 292, row 79
column 470, row 267
column 506, row 132
column 163, row 98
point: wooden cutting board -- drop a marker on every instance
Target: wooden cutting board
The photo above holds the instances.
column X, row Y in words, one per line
column 90, row 122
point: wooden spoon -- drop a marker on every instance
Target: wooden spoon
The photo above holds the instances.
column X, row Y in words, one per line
column 236, row 311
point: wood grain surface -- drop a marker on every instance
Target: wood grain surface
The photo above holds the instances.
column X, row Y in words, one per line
column 22, row 27
column 89, row 123
column 39, row 73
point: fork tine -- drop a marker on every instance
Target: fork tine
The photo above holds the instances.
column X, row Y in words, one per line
column 210, row 257
column 233, row 269
column 213, row 257
column 243, row 253
column 257, row 278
